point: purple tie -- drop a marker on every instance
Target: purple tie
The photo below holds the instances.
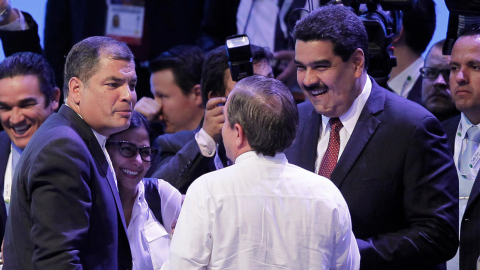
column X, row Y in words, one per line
column 329, row 160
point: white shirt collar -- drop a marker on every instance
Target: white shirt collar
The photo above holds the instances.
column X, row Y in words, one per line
column 403, row 82
column 465, row 124
column 100, row 138
column 278, row 158
column 350, row 118
column 16, row 149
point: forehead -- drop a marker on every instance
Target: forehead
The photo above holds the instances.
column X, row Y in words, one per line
column 20, row 87
column 107, row 64
column 316, row 50
column 436, row 58
column 466, row 49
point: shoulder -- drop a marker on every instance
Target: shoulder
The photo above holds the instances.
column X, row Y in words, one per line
column 400, row 112
column 181, row 137
column 166, row 189
column 452, row 123
column 4, row 140
column 305, row 108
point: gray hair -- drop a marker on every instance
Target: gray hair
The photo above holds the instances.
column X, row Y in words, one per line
column 266, row 110
column 82, row 60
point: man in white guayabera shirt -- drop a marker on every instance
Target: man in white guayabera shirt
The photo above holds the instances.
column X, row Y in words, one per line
column 262, row 211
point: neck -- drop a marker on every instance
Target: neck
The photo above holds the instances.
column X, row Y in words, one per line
column 405, row 57
column 473, row 116
column 127, row 197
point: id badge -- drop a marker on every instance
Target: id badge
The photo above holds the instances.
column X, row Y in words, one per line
column 125, row 20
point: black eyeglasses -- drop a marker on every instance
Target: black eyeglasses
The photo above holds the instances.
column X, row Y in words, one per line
column 129, row 150
column 432, row 73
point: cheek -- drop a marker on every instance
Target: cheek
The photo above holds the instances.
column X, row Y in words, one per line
column 37, row 114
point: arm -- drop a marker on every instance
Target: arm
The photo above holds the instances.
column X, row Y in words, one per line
column 191, row 248
column 58, row 35
column 345, row 254
column 21, row 40
column 180, row 160
column 61, row 201
column 171, row 203
column 430, row 199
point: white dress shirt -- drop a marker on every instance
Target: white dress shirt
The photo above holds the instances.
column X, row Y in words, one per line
column 349, row 120
column 404, row 81
column 102, row 140
column 263, row 213
column 208, row 147
column 12, row 162
column 149, row 240
column 465, row 181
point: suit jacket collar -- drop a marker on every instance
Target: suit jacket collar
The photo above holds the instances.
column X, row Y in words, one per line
column 364, row 129
column 5, row 147
column 308, row 136
column 91, row 141
column 451, row 126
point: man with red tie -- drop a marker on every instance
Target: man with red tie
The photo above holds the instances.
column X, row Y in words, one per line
column 388, row 156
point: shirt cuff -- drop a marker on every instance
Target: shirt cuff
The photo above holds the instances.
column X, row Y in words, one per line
column 18, row 25
column 206, row 143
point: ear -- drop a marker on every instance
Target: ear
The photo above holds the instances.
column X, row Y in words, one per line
column 240, row 139
column 358, row 58
column 75, row 87
column 55, row 98
column 212, row 95
column 196, row 91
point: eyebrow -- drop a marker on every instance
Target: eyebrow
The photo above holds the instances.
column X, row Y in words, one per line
column 21, row 102
column 315, row 63
column 116, row 79
column 473, row 62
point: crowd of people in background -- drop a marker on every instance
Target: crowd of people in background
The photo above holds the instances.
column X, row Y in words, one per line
column 128, row 145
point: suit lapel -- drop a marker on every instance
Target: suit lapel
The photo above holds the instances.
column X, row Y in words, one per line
column 364, row 129
column 474, row 193
column 87, row 134
column 5, row 146
column 309, row 137
column 451, row 126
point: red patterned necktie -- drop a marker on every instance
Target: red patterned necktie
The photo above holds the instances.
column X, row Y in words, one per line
column 331, row 155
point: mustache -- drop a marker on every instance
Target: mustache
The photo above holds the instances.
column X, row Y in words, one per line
column 315, row 87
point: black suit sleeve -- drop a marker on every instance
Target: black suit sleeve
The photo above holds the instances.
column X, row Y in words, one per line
column 22, row 41
column 61, row 201
column 59, row 35
column 181, row 161
column 430, row 199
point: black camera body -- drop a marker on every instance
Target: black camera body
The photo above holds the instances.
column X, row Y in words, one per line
column 240, row 59
column 383, row 21
column 463, row 14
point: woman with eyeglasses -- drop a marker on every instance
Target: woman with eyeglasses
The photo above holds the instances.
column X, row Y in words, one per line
column 149, row 229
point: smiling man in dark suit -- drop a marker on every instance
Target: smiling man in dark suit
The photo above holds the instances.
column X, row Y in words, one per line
column 388, row 156
column 65, row 210
column 28, row 96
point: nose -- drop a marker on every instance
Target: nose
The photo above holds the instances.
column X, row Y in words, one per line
column 310, row 78
column 441, row 80
column 461, row 77
column 16, row 115
column 137, row 161
column 128, row 94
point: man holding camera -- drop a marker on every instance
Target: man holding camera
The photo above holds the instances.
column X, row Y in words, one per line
column 388, row 156
column 187, row 155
